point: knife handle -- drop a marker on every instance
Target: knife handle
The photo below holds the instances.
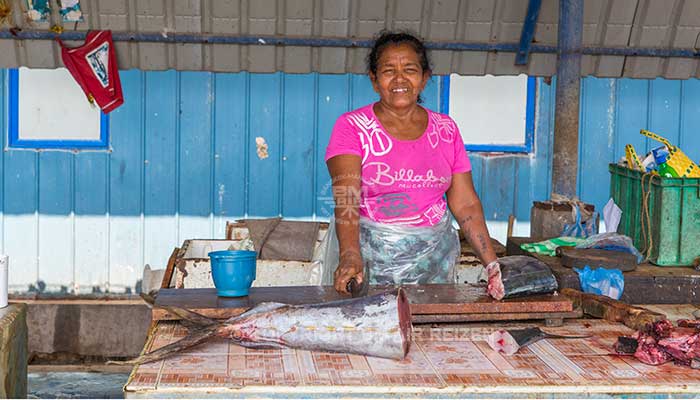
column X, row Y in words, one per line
column 352, row 287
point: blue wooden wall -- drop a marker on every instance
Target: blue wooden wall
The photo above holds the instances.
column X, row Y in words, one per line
column 184, row 161
column 612, row 113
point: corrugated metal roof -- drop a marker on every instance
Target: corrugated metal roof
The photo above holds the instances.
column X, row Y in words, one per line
column 607, row 23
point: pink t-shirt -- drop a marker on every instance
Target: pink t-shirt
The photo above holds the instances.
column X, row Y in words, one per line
column 403, row 181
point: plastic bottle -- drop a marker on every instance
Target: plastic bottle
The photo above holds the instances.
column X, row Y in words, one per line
column 665, row 170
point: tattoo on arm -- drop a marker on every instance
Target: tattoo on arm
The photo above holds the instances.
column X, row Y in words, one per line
column 465, row 220
column 482, row 243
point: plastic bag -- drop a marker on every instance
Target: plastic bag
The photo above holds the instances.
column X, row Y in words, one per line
column 326, row 258
column 611, row 215
column 395, row 254
column 580, row 228
column 611, row 241
column 549, row 247
column 606, row 282
column 399, row 254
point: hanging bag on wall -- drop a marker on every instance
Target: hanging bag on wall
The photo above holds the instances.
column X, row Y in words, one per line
column 94, row 67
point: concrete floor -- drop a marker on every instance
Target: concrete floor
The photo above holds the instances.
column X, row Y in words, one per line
column 75, row 385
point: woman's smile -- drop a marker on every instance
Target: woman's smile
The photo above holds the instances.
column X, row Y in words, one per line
column 399, row 79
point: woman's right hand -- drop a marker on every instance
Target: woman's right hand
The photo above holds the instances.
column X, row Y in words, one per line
column 349, row 267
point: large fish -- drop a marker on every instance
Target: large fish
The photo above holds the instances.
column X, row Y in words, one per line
column 378, row 325
column 516, row 276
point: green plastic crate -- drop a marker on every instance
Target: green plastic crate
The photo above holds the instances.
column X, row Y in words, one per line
column 674, row 209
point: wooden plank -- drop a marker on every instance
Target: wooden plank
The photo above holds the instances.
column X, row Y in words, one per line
column 333, row 100
column 424, row 299
column 612, row 310
column 168, row 276
column 648, row 284
column 597, row 148
column 451, row 318
column 230, row 91
column 297, row 138
column 91, row 223
column 264, row 173
column 162, row 166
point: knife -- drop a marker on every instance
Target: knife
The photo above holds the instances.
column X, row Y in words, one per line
column 357, row 289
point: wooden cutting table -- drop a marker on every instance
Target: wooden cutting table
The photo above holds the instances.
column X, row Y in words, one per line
column 445, row 361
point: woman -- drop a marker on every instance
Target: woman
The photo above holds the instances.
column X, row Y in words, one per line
column 392, row 163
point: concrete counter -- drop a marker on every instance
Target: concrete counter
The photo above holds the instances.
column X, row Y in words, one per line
column 13, row 357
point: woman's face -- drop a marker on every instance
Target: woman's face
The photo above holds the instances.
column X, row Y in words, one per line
column 400, row 78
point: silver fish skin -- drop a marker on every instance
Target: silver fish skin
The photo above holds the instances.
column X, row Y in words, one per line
column 378, row 326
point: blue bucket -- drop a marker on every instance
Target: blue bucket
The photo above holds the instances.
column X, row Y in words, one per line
column 233, row 271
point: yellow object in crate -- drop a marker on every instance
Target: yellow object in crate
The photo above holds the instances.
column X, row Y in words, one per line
column 683, row 165
column 633, row 161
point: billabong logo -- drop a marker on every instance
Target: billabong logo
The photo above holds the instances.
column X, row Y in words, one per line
column 98, row 60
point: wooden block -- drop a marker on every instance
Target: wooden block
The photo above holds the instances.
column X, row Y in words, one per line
column 612, row 310
column 424, row 299
column 594, row 258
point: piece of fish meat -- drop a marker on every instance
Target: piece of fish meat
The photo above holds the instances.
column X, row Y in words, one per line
column 519, row 276
column 510, row 341
column 378, row 326
column 661, row 342
column 683, row 344
column 494, row 285
column 649, row 352
column 689, row 323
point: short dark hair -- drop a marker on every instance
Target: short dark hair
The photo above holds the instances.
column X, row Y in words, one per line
column 387, row 38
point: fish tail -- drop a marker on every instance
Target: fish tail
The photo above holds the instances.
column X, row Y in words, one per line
column 195, row 337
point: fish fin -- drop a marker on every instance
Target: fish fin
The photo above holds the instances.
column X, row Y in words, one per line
column 192, row 318
column 254, row 345
column 195, row 337
column 259, row 309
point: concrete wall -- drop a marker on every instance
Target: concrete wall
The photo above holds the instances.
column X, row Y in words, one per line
column 87, row 328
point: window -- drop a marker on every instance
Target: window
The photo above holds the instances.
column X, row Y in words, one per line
column 493, row 113
column 48, row 110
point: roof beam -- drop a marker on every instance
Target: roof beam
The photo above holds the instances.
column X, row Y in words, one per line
column 528, row 32
column 318, row 41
